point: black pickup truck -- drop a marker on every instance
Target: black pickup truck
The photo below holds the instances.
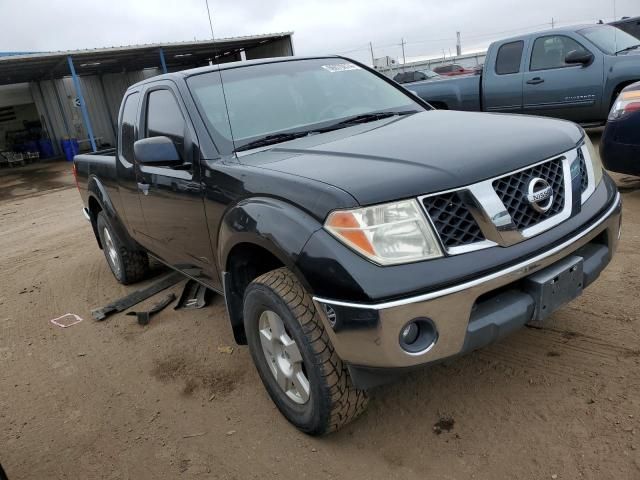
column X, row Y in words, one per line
column 354, row 231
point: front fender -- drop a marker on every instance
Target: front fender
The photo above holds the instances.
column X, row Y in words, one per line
column 277, row 226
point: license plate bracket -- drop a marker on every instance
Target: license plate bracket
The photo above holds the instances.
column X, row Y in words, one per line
column 554, row 286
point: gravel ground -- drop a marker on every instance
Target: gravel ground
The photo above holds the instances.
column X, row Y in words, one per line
column 115, row 400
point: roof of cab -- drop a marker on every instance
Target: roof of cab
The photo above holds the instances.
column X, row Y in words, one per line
column 182, row 74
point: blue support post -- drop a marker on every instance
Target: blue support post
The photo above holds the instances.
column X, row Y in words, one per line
column 83, row 105
column 162, row 62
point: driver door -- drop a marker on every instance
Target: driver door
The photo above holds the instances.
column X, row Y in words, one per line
column 172, row 197
column 555, row 89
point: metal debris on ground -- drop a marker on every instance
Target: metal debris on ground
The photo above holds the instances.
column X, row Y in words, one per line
column 66, row 320
column 136, row 297
column 145, row 317
column 194, row 295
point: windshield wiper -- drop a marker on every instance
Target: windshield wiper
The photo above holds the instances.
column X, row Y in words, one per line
column 628, row 49
column 271, row 139
column 370, row 117
column 286, row 136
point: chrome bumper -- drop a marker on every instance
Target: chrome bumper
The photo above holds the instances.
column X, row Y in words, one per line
column 449, row 309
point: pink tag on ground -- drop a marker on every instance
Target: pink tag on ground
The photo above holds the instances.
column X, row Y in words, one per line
column 66, row 320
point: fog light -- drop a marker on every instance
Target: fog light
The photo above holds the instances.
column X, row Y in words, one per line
column 418, row 336
column 410, row 333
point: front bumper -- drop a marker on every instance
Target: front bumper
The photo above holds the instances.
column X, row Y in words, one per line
column 468, row 315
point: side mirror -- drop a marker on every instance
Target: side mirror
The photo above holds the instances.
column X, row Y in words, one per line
column 159, row 151
column 576, row 56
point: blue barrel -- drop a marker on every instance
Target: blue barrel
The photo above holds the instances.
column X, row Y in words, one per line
column 46, row 148
column 67, row 149
column 70, row 147
column 31, row 146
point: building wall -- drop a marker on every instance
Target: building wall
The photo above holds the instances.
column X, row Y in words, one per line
column 102, row 95
column 22, row 112
column 17, row 94
column 278, row 48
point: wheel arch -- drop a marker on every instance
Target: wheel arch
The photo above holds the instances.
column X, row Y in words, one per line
column 99, row 201
column 617, row 89
column 255, row 237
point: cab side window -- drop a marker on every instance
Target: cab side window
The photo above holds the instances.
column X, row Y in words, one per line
column 509, row 57
column 550, row 51
column 128, row 127
column 164, row 118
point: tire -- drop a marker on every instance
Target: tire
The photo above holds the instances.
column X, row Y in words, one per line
column 128, row 266
column 331, row 400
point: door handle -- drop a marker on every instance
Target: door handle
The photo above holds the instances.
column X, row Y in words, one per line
column 535, row 81
column 143, row 187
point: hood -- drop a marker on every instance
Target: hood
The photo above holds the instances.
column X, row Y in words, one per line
column 418, row 154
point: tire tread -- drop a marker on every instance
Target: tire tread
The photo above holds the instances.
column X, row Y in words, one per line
column 346, row 402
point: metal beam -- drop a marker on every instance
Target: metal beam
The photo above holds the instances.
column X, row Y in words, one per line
column 162, row 62
column 48, row 123
column 83, row 105
column 60, row 107
column 112, row 120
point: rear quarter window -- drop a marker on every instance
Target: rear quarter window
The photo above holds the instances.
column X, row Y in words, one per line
column 128, row 127
column 509, row 58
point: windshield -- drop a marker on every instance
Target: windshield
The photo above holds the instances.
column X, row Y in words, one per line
column 268, row 99
column 609, row 39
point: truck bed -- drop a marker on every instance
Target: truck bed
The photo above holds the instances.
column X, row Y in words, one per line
column 101, row 164
column 458, row 93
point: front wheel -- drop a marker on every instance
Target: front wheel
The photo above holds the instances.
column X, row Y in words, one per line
column 294, row 357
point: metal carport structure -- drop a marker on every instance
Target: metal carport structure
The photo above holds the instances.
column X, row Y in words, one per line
column 77, row 93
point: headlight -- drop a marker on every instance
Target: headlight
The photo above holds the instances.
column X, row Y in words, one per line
column 386, row 234
column 625, row 103
column 592, row 157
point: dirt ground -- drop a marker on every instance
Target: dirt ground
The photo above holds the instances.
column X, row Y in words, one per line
column 115, row 400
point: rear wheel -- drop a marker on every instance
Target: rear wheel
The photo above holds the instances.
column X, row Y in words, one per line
column 294, row 357
column 128, row 266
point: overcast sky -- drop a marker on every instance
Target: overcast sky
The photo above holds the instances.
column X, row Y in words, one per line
column 320, row 26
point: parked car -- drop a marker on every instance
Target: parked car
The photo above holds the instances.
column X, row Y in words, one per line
column 351, row 232
column 620, row 143
column 416, row 76
column 572, row 73
column 629, row 25
column 453, row 70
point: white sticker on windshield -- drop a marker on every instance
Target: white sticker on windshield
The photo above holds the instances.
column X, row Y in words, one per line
column 341, row 67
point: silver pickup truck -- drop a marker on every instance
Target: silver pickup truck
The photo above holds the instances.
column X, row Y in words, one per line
column 574, row 73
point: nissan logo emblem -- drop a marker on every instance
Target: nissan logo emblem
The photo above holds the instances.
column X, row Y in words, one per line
column 540, row 194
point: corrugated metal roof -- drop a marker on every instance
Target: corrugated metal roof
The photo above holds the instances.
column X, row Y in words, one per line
column 26, row 67
column 13, row 54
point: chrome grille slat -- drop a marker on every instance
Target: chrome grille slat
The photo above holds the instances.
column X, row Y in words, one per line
column 584, row 174
column 512, row 190
column 453, row 220
column 497, row 212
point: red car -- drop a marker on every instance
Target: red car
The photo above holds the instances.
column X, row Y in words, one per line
column 453, row 69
